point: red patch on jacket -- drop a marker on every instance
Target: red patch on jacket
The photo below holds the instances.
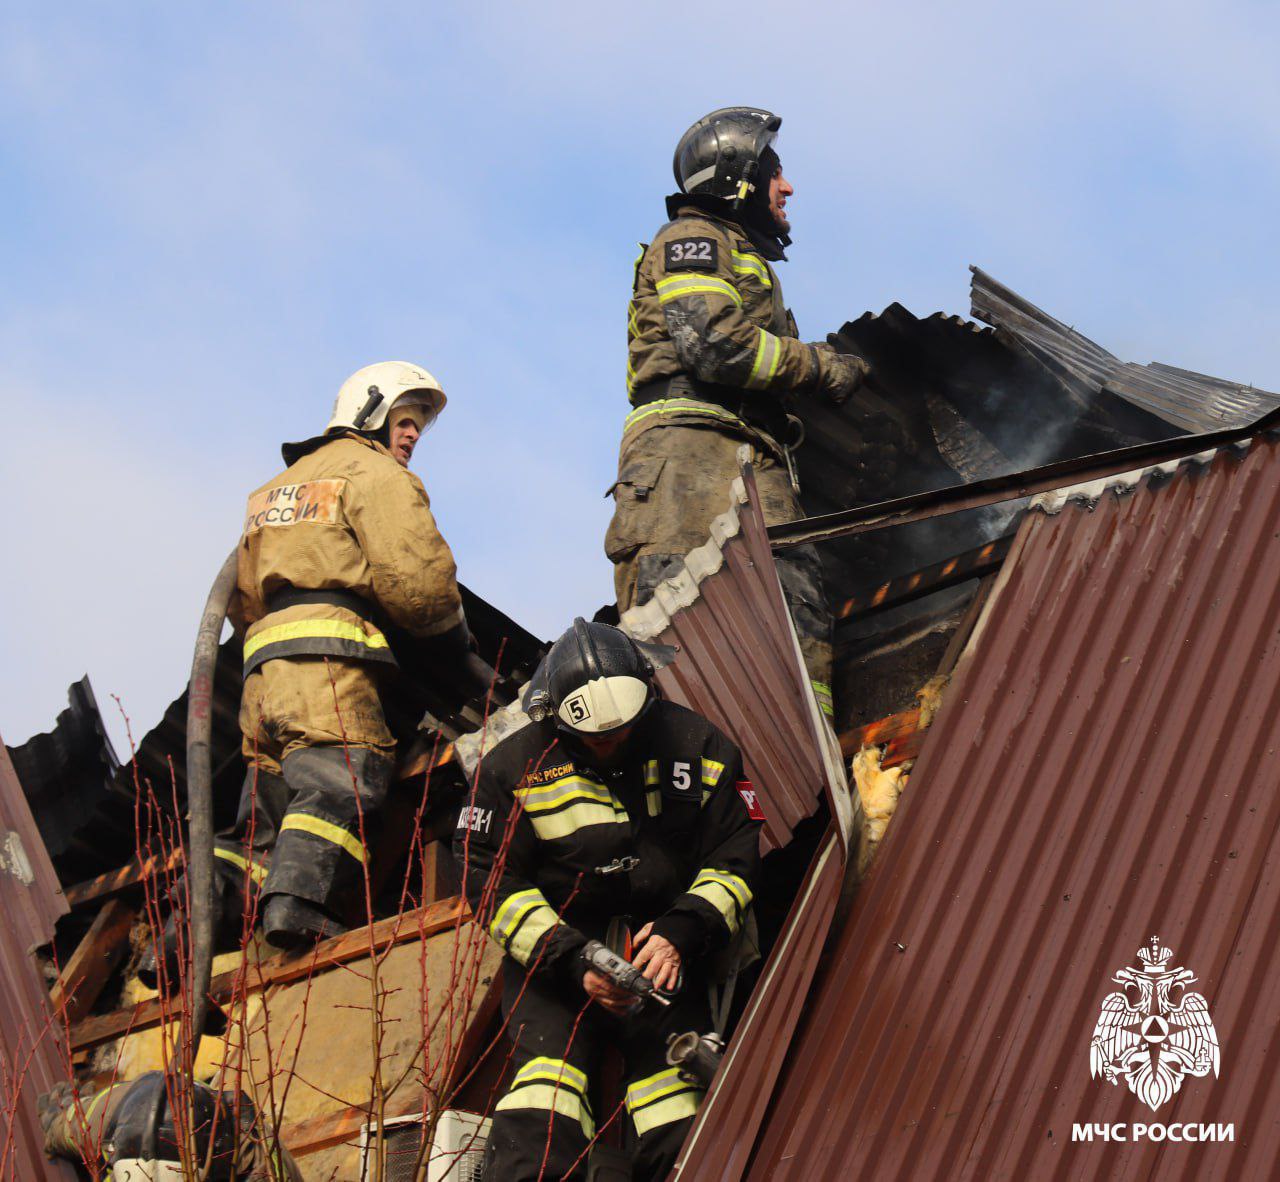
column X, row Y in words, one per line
column 751, row 799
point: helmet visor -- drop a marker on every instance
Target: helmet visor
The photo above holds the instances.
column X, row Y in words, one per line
column 603, row 705
column 422, row 406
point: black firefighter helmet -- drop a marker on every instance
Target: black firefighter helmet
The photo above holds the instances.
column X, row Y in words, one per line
column 720, row 155
column 143, row 1132
column 595, row 681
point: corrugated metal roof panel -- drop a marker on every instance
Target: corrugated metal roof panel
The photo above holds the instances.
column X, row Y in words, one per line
column 740, row 666
column 1190, row 401
column 30, row 903
column 1103, row 769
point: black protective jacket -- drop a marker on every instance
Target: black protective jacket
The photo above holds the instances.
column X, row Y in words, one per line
column 552, row 849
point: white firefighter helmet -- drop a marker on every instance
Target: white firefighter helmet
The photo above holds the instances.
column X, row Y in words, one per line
column 368, row 396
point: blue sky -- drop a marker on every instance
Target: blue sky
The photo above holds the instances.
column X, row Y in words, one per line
column 211, row 214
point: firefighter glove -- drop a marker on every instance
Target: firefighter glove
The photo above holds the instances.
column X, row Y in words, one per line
column 839, row 374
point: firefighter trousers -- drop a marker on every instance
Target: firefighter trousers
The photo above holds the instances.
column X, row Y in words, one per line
column 320, row 761
column 544, row 1124
column 672, row 483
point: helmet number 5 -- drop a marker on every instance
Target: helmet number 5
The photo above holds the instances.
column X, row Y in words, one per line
column 680, row 779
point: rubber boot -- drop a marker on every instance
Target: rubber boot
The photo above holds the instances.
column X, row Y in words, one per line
column 289, row 922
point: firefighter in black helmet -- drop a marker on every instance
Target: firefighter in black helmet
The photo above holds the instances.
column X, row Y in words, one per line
column 713, row 360
column 130, row 1127
column 612, row 812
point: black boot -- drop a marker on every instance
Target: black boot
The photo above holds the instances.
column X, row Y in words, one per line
column 163, row 948
column 290, row 922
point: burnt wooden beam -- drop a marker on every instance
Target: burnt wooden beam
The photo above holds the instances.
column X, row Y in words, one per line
column 85, row 974
column 899, row 734
column 972, row 564
column 115, row 882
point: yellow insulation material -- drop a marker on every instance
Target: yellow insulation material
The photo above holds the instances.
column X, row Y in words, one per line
column 929, row 696
column 879, row 790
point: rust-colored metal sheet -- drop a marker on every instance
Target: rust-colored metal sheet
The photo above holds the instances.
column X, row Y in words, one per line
column 30, row 1041
column 1103, row 770
column 740, row 665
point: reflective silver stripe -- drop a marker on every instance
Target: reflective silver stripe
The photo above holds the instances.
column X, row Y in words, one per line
column 661, row 1099
column 703, row 174
column 544, row 797
column 564, row 806
column 554, row 1071
column 676, row 287
column 726, row 892
column 679, row 406
column 751, row 264
column 550, row 1097
column 765, row 367
column 522, row 920
column 653, row 794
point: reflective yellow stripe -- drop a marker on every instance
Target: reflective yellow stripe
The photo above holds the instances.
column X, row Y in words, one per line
column 522, row 920
column 98, row 1099
column 653, row 802
column 768, row 354
column 314, row 630
column 681, row 1106
column 731, row 882
column 545, row 1097
column 711, row 771
column 661, row 1099
column 328, row 831
column 678, row 406
column 822, row 691
column 588, row 803
column 727, row 893
column 650, row 773
column 751, row 264
column 555, row 1070
column 549, row 826
column 676, row 287
column 256, row 872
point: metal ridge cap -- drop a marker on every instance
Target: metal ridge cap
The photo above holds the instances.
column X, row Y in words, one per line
column 1090, row 491
column 680, row 589
column 1011, row 486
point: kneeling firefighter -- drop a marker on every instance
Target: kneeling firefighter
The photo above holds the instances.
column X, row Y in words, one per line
column 612, row 811
column 342, row 578
column 130, row 1128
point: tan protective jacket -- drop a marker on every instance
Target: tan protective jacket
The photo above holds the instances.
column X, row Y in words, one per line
column 346, row 517
column 706, row 305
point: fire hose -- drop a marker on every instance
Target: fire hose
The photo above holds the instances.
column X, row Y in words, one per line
column 200, row 791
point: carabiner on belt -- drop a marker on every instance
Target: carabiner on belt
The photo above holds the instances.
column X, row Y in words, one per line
column 795, row 437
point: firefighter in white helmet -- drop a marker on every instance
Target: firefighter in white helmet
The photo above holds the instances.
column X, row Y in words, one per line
column 339, row 555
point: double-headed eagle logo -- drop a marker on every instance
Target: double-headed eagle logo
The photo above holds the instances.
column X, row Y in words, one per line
column 1153, row 1033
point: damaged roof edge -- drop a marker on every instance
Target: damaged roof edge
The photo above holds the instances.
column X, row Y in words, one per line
column 1193, row 402
column 30, row 1038
column 738, row 663
column 1014, row 485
